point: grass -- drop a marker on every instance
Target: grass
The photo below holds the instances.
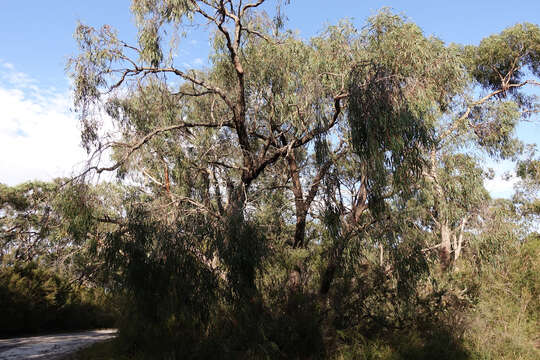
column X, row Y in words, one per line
column 105, row 350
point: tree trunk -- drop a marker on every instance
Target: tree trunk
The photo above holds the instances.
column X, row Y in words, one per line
column 350, row 221
column 459, row 242
column 446, row 244
column 300, row 205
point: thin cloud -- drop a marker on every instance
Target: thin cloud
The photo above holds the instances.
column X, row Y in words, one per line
column 499, row 187
column 39, row 136
column 8, row 66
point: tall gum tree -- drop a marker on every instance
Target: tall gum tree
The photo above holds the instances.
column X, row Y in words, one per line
column 234, row 121
column 356, row 109
column 500, row 68
column 266, row 97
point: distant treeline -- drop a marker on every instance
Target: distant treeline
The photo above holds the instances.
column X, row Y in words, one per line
column 34, row 299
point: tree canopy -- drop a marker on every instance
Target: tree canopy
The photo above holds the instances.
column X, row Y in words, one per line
column 295, row 197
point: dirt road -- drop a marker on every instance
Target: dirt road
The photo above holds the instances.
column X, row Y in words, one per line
column 50, row 347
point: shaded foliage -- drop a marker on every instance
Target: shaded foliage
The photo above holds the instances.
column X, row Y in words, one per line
column 35, row 299
column 297, row 198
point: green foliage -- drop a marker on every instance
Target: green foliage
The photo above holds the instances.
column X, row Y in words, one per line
column 462, row 183
column 386, row 135
column 396, row 92
column 433, row 344
column 35, row 299
column 504, row 324
column 100, row 48
column 529, row 169
column 503, row 59
column 527, row 198
column 352, row 141
column 26, row 218
column 494, row 125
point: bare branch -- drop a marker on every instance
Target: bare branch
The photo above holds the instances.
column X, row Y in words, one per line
column 467, row 112
column 251, row 5
column 137, row 145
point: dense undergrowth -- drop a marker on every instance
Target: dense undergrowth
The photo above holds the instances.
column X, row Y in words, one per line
column 477, row 311
column 35, row 299
column 504, row 321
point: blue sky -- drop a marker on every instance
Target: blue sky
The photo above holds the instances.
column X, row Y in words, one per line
column 38, row 133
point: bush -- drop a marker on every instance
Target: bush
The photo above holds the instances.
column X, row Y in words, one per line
column 504, row 324
column 34, row 299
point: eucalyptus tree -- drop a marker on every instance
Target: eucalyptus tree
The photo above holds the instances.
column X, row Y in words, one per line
column 449, row 209
column 237, row 119
column 527, row 194
column 26, row 219
column 266, row 97
column 49, row 224
column 484, row 118
column 395, row 97
column 281, row 148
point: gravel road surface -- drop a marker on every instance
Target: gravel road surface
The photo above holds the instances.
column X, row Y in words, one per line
column 50, row 347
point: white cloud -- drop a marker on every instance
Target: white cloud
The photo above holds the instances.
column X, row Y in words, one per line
column 39, row 136
column 499, row 187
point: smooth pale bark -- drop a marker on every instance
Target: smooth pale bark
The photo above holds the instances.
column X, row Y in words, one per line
column 446, row 244
column 458, row 240
column 445, row 233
